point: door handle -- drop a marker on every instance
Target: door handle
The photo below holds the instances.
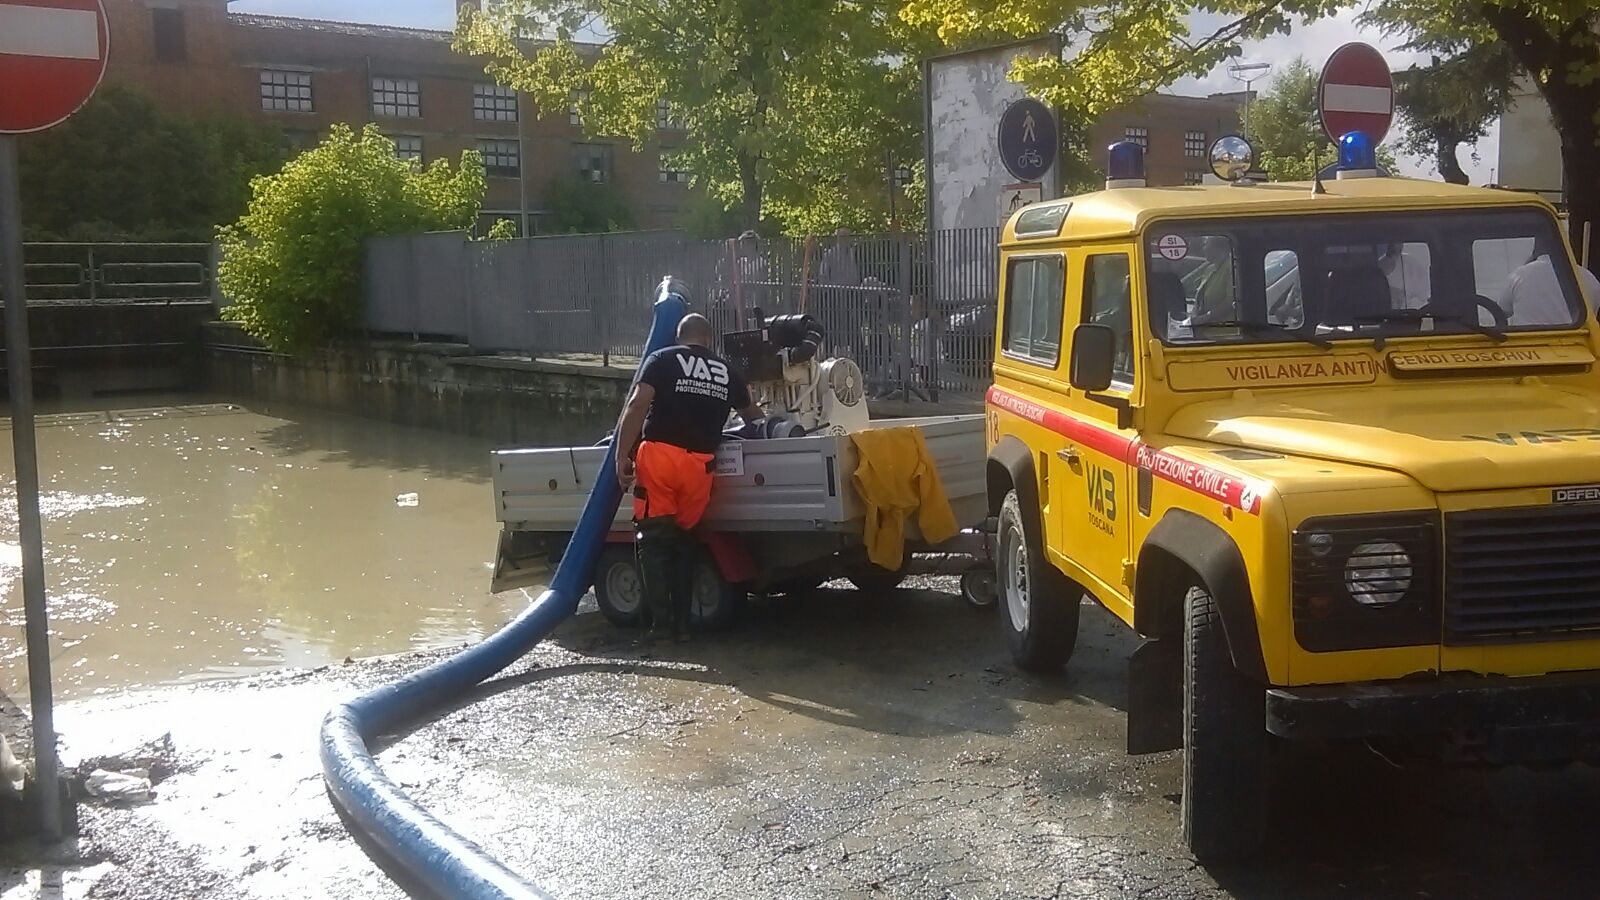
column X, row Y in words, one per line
column 1068, row 455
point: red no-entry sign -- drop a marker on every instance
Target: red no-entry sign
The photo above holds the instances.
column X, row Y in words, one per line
column 52, row 56
column 1356, row 93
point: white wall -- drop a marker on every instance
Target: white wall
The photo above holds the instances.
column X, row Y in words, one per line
column 966, row 95
column 1530, row 149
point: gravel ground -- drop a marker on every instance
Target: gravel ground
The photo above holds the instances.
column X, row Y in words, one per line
column 836, row 745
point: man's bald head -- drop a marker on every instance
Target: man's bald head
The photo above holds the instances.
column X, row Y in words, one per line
column 696, row 329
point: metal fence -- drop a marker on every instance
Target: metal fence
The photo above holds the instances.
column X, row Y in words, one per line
column 117, row 272
column 917, row 313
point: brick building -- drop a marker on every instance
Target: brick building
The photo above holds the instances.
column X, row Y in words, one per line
column 1177, row 133
column 303, row 75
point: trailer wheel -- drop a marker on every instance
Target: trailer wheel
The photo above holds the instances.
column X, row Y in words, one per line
column 1042, row 606
column 716, row 603
column 1226, row 752
column 979, row 587
column 871, row 578
column 618, row 588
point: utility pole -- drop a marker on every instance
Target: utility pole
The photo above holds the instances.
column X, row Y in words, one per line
column 1249, row 74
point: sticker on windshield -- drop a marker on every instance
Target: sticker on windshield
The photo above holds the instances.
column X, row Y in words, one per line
column 1172, row 246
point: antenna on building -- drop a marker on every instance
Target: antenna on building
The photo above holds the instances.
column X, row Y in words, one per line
column 1249, row 74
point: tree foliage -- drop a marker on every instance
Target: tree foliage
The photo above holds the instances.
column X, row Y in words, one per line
column 1117, row 50
column 580, row 207
column 790, row 111
column 1453, row 102
column 1286, row 127
column 292, row 263
column 124, row 169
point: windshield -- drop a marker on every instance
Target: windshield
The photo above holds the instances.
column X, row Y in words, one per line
column 1359, row 276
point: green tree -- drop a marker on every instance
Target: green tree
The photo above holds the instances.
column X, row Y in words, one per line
column 292, row 264
column 581, row 207
column 1286, row 128
column 124, row 169
column 790, row 110
column 1453, row 102
column 1554, row 43
column 1118, row 51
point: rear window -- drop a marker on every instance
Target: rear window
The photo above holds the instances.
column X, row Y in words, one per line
column 1035, row 297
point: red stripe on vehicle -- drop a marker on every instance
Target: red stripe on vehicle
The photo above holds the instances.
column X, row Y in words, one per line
column 1217, row 484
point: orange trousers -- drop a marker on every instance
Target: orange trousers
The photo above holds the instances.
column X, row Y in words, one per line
column 671, row 481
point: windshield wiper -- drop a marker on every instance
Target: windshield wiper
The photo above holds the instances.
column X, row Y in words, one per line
column 1254, row 328
column 1417, row 315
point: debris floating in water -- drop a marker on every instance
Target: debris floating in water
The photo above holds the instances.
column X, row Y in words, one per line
column 407, row 499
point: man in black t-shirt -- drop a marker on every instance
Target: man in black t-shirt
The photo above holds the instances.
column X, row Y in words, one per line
column 679, row 406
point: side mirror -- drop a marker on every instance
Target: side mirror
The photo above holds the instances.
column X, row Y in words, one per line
column 1094, row 351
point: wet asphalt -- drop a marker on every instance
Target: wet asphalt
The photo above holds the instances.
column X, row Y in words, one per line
column 834, row 745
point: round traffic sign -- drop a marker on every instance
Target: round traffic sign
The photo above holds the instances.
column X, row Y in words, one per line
column 1356, row 93
column 1028, row 139
column 52, row 57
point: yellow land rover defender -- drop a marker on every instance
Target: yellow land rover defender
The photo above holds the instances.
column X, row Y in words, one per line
column 1331, row 448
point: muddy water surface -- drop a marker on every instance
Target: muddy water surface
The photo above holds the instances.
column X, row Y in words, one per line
column 189, row 540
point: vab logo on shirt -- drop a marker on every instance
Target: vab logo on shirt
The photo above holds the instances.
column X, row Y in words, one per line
column 701, row 369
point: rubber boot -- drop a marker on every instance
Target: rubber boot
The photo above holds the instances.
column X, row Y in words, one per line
column 683, row 586
column 659, row 546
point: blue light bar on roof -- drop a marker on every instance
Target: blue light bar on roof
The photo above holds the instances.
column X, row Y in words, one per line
column 1124, row 165
column 1358, row 157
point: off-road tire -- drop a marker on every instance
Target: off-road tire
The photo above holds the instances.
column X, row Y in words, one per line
column 1225, row 742
column 1039, row 606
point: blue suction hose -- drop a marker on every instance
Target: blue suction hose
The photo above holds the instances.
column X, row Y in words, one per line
column 424, row 848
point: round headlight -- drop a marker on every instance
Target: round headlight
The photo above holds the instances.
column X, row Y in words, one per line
column 1378, row 573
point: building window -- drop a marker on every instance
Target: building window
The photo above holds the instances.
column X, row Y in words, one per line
column 667, row 174
column 408, row 147
column 1194, row 143
column 169, row 36
column 494, row 103
column 501, row 159
column 397, row 97
column 666, row 116
column 285, row 91
column 580, row 98
column 594, row 162
column 1137, row 134
column 1194, row 178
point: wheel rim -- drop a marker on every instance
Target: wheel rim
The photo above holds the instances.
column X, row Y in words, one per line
column 1016, row 581
column 707, row 593
column 981, row 588
column 624, row 587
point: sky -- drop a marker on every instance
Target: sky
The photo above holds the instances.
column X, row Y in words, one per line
column 1315, row 42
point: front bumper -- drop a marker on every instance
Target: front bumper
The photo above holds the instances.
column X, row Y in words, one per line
column 1539, row 714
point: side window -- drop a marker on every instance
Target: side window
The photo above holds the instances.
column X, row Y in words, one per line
column 1280, row 276
column 1035, row 293
column 1108, row 300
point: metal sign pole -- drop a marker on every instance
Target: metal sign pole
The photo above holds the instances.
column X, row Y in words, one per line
column 19, row 371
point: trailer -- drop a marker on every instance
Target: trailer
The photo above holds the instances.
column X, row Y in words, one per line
column 784, row 518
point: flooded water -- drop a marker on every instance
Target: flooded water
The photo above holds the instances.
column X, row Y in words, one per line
column 193, row 541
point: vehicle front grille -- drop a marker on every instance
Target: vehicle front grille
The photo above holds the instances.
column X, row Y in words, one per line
column 1527, row 574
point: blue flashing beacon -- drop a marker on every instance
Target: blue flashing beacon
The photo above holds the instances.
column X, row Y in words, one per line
column 1125, row 165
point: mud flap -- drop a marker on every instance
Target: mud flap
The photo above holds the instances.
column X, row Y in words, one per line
column 1155, row 696
column 524, row 559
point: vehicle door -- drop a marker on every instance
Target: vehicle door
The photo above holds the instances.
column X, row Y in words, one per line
column 1035, row 371
column 1096, row 481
